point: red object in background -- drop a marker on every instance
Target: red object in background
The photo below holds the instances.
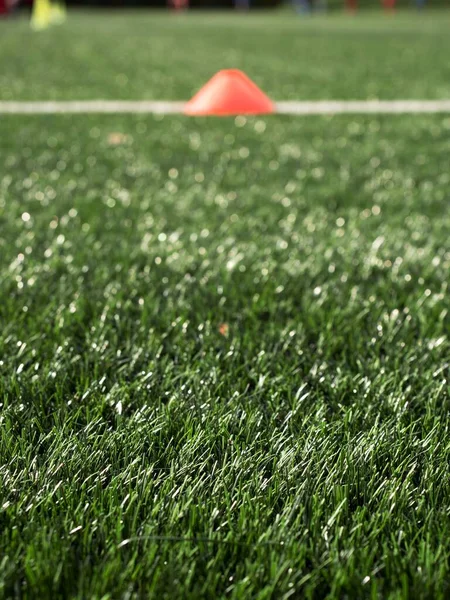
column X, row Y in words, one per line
column 389, row 4
column 6, row 6
column 178, row 4
column 351, row 5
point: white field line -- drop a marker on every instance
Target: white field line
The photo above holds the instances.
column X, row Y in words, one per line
column 338, row 107
column 320, row 107
column 161, row 107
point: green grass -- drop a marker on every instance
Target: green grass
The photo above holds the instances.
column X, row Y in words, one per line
column 160, row 56
column 145, row 454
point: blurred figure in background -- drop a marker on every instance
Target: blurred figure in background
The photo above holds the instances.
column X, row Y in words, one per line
column 242, row 4
column 302, row 6
column 307, row 6
column 178, row 4
column 351, row 5
column 7, row 6
column 421, row 3
column 389, row 5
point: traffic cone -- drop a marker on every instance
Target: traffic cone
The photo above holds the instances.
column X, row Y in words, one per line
column 41, row 14
column 229, row 92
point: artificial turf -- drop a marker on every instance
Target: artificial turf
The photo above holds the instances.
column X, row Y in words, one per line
column 153, row 55
column 224, row 356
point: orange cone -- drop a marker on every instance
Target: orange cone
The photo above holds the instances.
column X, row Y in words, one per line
column 229, row 92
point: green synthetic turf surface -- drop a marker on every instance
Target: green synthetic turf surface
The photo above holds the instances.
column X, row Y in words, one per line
column 144, row 453
column 159, row 56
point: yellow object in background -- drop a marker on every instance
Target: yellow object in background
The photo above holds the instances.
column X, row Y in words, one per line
column 46, row 13
column 40, row 16
column 57, row 12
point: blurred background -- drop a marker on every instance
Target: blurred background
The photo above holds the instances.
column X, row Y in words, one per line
column 305, row 6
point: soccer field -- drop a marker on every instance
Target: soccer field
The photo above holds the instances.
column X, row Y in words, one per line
column 224, row 343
